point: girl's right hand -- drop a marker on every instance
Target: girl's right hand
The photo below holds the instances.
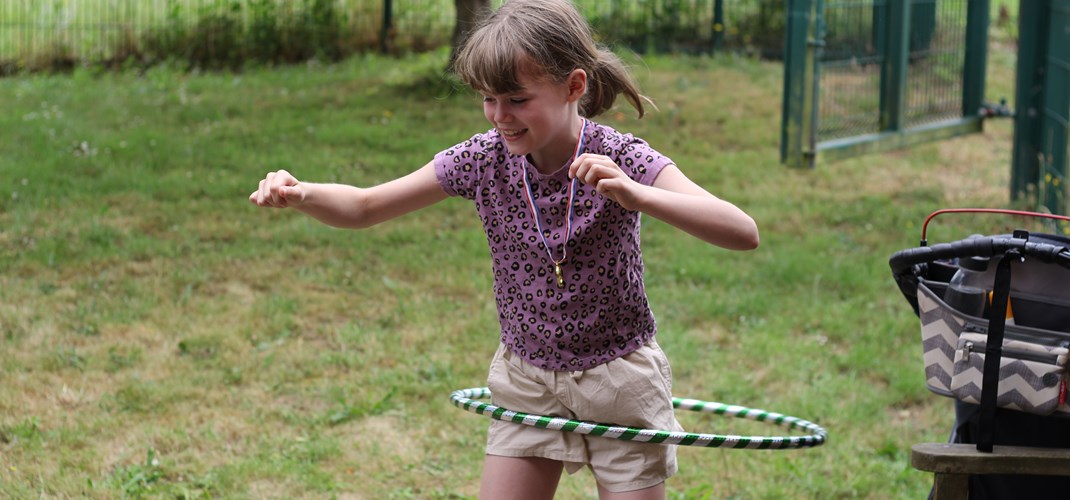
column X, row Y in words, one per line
column 278, row 189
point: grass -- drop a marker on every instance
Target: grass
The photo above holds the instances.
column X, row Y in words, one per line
column 161, row 337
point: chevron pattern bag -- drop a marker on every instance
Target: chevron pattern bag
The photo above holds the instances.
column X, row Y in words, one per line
column 1034, row 366
column 1032, row 377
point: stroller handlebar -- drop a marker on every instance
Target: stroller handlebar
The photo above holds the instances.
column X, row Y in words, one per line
column 908, row 264
column 983, row 246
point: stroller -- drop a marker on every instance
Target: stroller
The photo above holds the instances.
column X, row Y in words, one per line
column 995, row 330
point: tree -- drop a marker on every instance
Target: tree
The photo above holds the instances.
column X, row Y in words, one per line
column 469, row 14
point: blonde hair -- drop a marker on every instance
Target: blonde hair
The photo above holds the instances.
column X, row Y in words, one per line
column 545, row 39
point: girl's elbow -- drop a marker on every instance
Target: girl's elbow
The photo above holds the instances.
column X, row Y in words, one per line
column 741, row 241
column 740, row 235
column 749, row 238
column 752, row 242
column 358, row 221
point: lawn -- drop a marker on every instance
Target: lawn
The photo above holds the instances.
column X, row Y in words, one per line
column 162, row 337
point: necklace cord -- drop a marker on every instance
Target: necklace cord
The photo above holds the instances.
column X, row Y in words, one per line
column 568, row 221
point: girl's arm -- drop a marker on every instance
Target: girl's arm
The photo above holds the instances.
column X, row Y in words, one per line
column 348, row 206
column 673, row 198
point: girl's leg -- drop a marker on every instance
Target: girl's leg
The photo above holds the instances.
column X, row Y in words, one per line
column 521, row 478
column 656, row 492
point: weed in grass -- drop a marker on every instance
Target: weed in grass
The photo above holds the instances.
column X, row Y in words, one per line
column 275, row 321
column 138, row 480
column 84, row 319
column 14, row 325
column 123, row 358
column 134, row 396
column 200, row 349
column 233, row 376
column 25, row 431
column 64, row 358
column 347, row 412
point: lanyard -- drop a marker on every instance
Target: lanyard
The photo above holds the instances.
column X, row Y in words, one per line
column 568, row 221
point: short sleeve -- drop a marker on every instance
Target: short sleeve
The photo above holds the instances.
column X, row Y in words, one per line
column 634, row 156
column 460, row 168
column 642, row 162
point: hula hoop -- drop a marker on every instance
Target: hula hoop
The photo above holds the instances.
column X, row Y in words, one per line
column 465, row 399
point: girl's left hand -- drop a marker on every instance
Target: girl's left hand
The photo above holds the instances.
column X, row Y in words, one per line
column 607, row 178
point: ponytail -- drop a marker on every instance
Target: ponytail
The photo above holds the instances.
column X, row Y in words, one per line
column 608, row 78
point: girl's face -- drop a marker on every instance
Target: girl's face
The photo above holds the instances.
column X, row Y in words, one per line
column 541, row 120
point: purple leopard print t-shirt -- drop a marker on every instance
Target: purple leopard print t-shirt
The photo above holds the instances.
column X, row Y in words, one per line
column 602, row 312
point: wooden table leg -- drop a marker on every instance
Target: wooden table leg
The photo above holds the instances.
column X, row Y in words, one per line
column 951, row 486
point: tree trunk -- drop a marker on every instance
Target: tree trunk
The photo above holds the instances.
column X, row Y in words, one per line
column 469, row 15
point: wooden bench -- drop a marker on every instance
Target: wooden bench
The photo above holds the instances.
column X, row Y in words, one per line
column 954, row 463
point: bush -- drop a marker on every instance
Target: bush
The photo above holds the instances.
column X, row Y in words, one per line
column 264, row 36
column 215, row 42
column 218, row 38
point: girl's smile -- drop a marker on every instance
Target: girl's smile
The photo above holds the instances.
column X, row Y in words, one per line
column 509, row 134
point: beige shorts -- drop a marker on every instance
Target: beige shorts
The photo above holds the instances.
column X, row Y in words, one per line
column 635, row 390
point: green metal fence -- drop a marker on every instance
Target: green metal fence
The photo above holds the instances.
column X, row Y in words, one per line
column 1055, row 131
column 1041, row 154
column 864, row 76
column 690, row 26
column 47, row 33
column 854, row 75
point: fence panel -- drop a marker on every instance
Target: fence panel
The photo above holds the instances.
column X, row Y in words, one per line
column 851, row 61
column 853, row 65
column 938, row 54
column 755, row 27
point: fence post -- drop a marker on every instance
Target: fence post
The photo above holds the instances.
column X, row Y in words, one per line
column 879, row 32
column 651, row 22
column 895, row 67
column 1029, row 98
column 388, row 26
column 973, row 72
column 718, row 25
column 1055, row 129
column 798, row 134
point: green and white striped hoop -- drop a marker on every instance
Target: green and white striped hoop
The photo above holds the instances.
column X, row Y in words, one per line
column 465, row 399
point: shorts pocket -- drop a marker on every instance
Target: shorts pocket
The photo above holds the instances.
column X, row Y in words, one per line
column 496, row 373
column 662, row 362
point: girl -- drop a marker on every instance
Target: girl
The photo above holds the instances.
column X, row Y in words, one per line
column 560, row 198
